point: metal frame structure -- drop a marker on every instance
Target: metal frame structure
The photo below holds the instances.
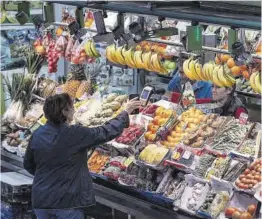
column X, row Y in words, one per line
column 177, row 11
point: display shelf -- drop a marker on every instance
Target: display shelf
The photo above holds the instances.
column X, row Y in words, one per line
column 204, row 48
column 253, row 95
column 172, row 43
column 7, row 26
column 109, row 194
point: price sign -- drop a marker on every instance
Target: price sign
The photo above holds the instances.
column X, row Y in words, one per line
column 194, row 38
column 243, row 118
column 59, row 90
column 232, row 38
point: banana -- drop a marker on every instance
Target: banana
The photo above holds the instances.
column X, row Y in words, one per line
column 252, row 81
column 128, row 56
column 119, row 57
column 210, row 70
column 93, row 49
column 186, row 68
column 258, row 82
column 87, row 49
column 146, row 58
column 223, row 79
column 138, row 59
column 255, row 82
column 198, row 70
column 155, row 63
column 216, row 78
column 110, row 53
column 192, row 71
column 204, row 71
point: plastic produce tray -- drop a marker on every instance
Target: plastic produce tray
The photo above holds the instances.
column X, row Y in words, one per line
column 16, row 187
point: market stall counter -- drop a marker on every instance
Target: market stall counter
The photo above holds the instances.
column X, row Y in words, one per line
column 108, row 194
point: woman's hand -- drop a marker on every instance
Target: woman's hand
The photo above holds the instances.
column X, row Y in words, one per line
column 132, row 105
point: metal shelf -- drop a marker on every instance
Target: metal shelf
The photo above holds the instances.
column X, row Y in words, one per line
column 171, row 43
column 7, row 26
column 252, row 95
column 189, row 13
column 204, row 48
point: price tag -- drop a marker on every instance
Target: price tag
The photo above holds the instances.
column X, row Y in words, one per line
column 188, row 98
column 59, row 90
column 243, row 118
column 186, row 155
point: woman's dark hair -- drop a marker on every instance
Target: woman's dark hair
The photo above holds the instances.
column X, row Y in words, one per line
column 55, row 106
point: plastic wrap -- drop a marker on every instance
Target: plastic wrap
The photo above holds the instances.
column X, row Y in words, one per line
column 194, row 194
column 112, row 172
column 69, row 49
column 61, row 45
column 153, row 156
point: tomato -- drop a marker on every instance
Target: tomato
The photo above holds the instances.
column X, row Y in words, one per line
column 241, row 185
column 247, row 171
column 257, row 177
column 236, row 215
column 245, row 187
column 246, row 215
column 229, row 212
column 242, row 176
column 250, row 186
column 238, row 182
column 243, row 180
column 251, row 209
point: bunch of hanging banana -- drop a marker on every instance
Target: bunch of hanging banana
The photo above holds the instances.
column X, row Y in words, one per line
column 91, row 50
column 135, row 59
column 220, row 75
column 255, row 82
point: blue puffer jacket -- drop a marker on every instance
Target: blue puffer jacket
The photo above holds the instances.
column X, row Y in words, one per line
column 202, row 89
column 57, row 157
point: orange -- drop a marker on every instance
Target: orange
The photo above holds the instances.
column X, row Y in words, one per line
column 225, row 58
column 170, row 139
column 156, row 120
column 245, row 74
column 259, row 53
column 152, row 137
column 162, row 121
column 243, row 67
column 236, row 70
column 168, row 113
column 59, row 31
column 230, row 63
column 154, row 128
column 147, row 135
column 149, row 127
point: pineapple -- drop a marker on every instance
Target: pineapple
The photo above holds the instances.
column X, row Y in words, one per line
column 77, row 72
column 83, row 88
column 71, row 87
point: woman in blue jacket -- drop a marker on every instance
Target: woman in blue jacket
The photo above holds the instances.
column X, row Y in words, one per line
column 57, row 157
column 202, row 89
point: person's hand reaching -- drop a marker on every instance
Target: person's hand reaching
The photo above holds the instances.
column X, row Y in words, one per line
column 132, row 105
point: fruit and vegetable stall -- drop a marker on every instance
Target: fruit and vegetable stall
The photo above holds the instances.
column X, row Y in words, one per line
column 174, row 160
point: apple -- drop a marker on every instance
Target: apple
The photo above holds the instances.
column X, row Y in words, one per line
column 159, row 110
column 156, row 120
column 172, row 66
column 166, row 64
